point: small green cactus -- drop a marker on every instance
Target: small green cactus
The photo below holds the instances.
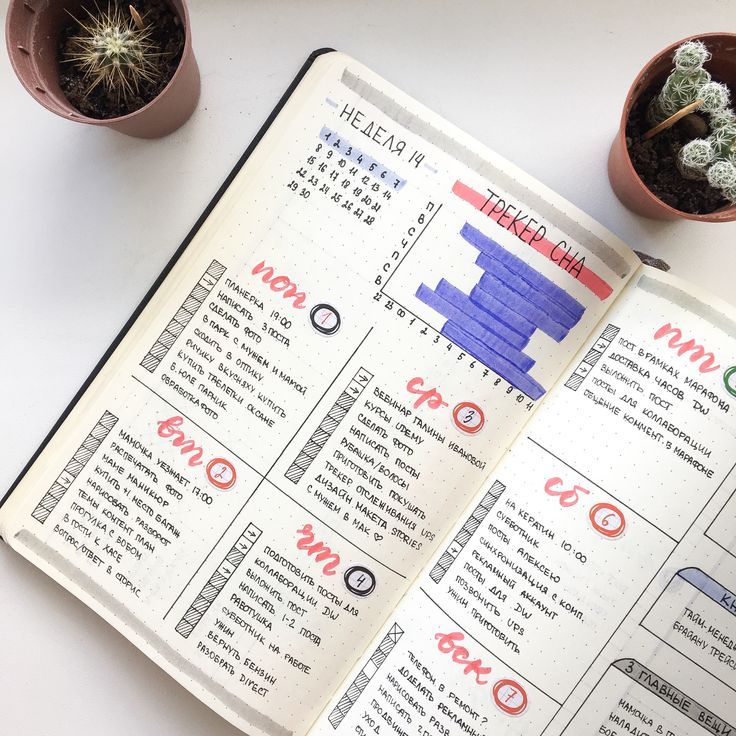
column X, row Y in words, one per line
column 712, row 158
column 114, row 49
column 723, row 120
column 683, row 84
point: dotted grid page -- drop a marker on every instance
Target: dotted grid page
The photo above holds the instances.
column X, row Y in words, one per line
column 589, row 586
column 357, row 333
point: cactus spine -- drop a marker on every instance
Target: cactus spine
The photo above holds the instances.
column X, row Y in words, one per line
column 114, row 49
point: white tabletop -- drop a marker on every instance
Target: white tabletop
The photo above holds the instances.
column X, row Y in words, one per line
column 89, row 218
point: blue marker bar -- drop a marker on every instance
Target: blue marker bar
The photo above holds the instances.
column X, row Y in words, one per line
column 511, row 333
column 489, row 340
column 498, row 364
column 710, row 587
column 491, row 248
column 523, row 288
column 366, row 162
column 495, row 309
column 489, row 284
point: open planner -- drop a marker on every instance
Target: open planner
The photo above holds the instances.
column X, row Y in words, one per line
column 403, row 444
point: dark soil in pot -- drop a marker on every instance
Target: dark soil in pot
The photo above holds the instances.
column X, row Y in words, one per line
column 655, row 163
column 167, row 35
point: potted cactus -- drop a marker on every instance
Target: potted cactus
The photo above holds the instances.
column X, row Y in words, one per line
column 127, row 64
column 674, row 155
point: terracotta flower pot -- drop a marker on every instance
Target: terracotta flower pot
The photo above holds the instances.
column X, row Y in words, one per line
column 627, row 185
column 32, row 31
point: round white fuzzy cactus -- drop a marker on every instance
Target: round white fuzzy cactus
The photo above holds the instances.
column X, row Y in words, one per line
column 712, row 159
column 691, row 55
column 722, row 175
column 694, row 158
column 722, row 119
column 715, row 96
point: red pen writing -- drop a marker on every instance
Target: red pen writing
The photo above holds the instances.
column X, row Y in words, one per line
column 431, row 396
column 508, row 695
column 697, row 352
column 280, row 284
column 169, row 429
column 319, row 550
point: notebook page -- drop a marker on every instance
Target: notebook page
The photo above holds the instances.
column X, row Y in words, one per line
column 589, row 588
column 354, row 337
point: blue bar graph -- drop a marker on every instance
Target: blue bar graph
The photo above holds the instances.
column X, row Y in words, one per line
column 556, row 311
column 490, row 284
column 477, row 330
column 491, row 248
column 509, row 303
column 517, row 378
column 497, row 317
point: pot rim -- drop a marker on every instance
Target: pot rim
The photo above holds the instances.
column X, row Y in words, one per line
column 628, row 105
column 73, row 112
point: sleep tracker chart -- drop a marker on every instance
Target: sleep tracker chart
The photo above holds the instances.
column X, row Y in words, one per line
column 473, row 288
column 496, row 319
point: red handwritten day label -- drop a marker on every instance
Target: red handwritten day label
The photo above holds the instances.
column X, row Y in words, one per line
column 218, row 471
column 449, row 644
column 605, row 518
column 169, row 429
column 431, row 396
column 697, row 351
column 320, row 551
column 280, row 284
column 508, row 695
column 566, row 498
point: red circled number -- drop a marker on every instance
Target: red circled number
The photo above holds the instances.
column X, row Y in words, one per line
column 607, row 520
